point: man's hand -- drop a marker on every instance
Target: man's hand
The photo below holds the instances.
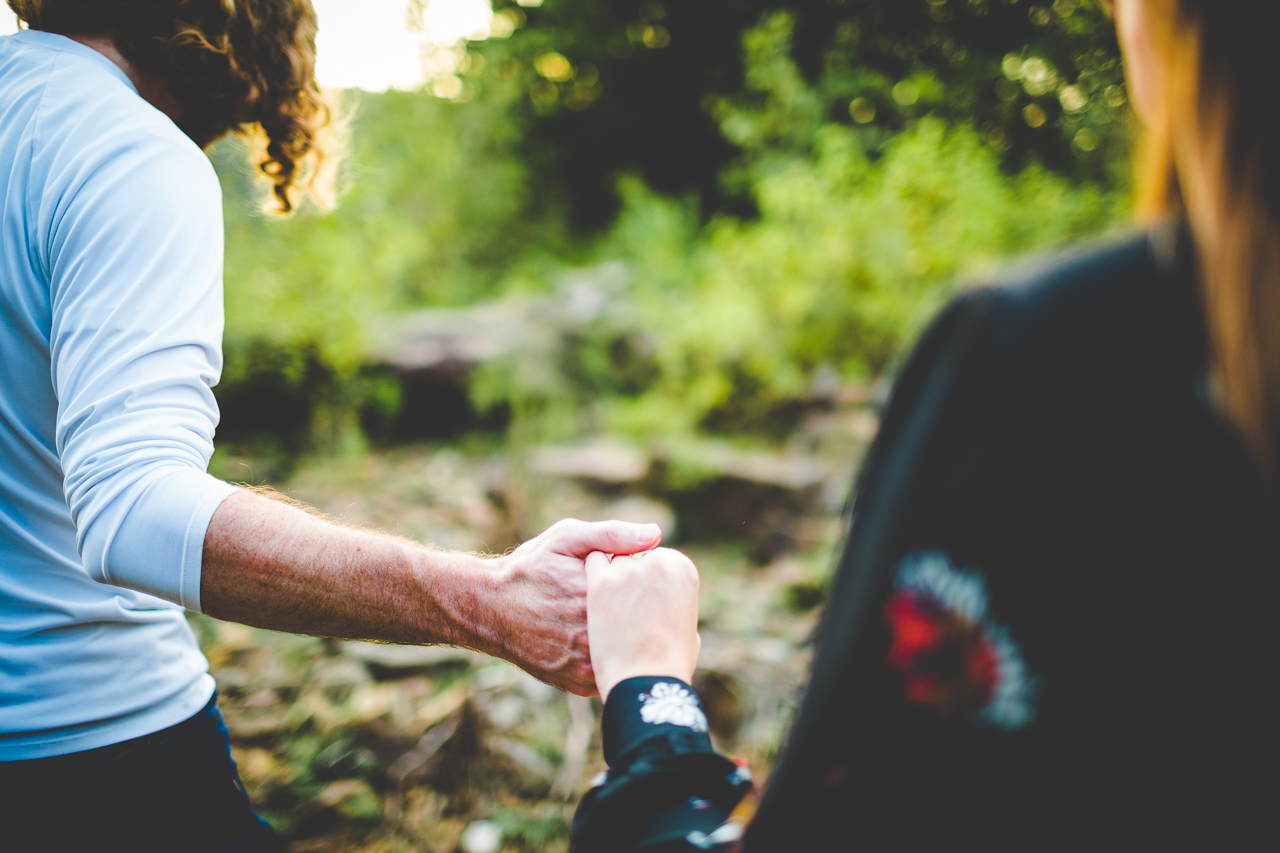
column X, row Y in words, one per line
column 275, row 566
column 539, row 606
column 642, row 615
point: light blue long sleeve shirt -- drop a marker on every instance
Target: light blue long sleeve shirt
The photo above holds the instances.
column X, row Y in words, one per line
column 110, row 340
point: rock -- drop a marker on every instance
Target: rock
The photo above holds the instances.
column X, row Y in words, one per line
column 481, row 836
column 457, row 338
column 341, row 672
column 586, row 295
column 756, row 466
column 722, row 491
column 601, row 459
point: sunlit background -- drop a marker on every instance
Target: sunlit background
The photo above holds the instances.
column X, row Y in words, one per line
column 376, row 45
column 380, row 44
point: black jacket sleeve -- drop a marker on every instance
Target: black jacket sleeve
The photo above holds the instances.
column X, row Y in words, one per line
column 666, row 787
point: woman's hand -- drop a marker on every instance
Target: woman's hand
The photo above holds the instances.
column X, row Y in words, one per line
column 538, row 618
column 642, row 616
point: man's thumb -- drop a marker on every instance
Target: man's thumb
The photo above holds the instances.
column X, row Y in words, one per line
column 611, row 537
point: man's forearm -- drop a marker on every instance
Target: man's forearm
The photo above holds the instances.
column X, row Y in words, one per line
column 274, row 566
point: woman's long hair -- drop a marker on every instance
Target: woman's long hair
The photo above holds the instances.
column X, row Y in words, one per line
column 1213, row 154
column 243, row 66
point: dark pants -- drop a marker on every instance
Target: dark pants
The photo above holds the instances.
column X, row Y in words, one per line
column 171, row 792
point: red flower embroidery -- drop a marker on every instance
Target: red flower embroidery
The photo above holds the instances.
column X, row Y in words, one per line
column 951, row 657
column 946, row 662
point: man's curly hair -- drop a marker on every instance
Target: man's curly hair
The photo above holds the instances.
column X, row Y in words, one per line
column 234, row 65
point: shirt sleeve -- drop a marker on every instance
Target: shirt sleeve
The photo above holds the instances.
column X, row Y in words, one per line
column 134, row 256
column 667, row 789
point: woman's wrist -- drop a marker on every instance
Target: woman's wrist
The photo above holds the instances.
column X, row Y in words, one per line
column 642, row 707
column 656, row 668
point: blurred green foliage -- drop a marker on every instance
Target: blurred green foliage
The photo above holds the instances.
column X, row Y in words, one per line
column 659, row 72
column 434, row 208
column 839, row 182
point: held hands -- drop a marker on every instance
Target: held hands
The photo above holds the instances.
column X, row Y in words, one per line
column 642, row 616
column 581, row 631
column 538, row 619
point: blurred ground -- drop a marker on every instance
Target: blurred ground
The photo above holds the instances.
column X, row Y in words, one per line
column 363, row 747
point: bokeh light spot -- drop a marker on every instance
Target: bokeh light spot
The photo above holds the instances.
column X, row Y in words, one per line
column 544, row 93
column 1086, row 139
column 656, row 36
column 1073, row 99
column 1034, row 115
column 553, row 66
column 1036, row 70
column 472, row 64
column 588, row 74
column 906, row 93
column 448, row 87
column 862, row 110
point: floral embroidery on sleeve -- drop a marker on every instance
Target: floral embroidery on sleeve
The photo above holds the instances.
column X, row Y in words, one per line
column 672, row 704
column 952, row 657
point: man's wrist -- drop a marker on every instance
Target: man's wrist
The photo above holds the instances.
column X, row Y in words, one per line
column 458, row 591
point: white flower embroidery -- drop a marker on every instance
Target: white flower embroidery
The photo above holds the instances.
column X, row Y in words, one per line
column 674, row 705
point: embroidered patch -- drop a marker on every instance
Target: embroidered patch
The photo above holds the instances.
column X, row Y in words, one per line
column 674, row 705
column 951, row 655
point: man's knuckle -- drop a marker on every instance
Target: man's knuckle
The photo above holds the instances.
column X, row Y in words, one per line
column 565, row 526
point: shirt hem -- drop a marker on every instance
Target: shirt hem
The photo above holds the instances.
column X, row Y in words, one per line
column 182, row 706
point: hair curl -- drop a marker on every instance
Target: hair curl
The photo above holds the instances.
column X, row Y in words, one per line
column 234, row 65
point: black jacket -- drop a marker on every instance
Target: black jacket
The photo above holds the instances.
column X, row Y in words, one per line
column 1053, row 622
